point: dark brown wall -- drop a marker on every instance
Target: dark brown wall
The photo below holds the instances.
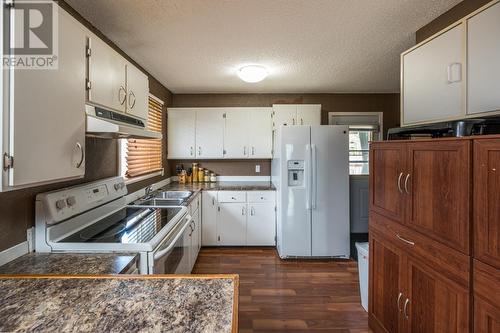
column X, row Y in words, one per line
column 17, row 209
column 386, row 103
column 461, row 10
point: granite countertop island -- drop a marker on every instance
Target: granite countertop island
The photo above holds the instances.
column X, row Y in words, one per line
column 71, row 263
column 125, row 303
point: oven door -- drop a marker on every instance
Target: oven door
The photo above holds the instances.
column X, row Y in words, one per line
column 171, row 255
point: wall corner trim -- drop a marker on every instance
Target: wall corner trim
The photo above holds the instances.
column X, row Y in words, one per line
column 14, row 252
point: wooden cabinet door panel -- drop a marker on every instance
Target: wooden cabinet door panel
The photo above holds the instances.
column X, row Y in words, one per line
column 387, row 163
column 435, row 304
column 486, row 298
column 438, row 187
column 386, row 268
column 486, row 317
column 487, row 201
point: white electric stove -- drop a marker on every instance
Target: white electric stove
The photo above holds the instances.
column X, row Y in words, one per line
column 94, row 217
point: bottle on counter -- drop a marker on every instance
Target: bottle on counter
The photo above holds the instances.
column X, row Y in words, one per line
column 189, row 176
column 213, row 177
column 206, row 177
column 182, row 177
column 201, row 175
column 195, row 172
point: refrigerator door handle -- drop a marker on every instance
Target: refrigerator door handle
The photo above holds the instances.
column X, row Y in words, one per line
column 314, row 187
column 307, row 176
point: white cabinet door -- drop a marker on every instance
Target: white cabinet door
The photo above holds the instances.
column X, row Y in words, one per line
column 47, row 133
column 138, row 92
column 186, row 265
column 260, row 133
column 209, row 218
column 261, row 225
column 432, row 79
column 284, row 114
column 107, row 70
column 181, row 132
column 309, row 114
column 195, row 242
column 231, row 224
column 483, row 67
column 236, row 133
column 210, row 133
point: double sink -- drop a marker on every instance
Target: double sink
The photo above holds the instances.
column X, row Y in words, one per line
column 165, row 198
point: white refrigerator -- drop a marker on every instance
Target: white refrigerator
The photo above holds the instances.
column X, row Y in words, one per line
column 311, row 176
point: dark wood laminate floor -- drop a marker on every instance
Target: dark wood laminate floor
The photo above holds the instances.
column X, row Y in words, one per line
column 290, row 295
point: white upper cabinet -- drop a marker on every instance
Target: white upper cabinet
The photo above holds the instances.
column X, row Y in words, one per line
column 181, row 133
column 236, row 133
column 137, row 92
column 260, row 133
column 210, row 133
column 107, row 76
column 308, row 114
column 47, row 114
column 483, row 61
column 284, row 114
column 432, row 84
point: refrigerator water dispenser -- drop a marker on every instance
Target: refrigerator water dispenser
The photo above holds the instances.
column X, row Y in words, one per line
column 296, row 173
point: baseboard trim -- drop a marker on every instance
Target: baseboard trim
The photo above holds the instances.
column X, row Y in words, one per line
column 14, row 252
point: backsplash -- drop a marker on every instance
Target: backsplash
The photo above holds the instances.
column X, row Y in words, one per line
column 227, row 167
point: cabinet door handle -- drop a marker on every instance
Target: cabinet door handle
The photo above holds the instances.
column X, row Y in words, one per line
column 242, row 210
column 293, row 121
column 213, row 201
column 301, row 121
column 191, row 150
column 252, row 211
column 399, row 183
column 120, row 91
column 405, row 310
column 199, row 150
column 399, row 301
column 253, row 150
column 244, row 151
column 130, row 95
column 409, row 242
column 450, row 72
column 406, row 183
column 82, row 155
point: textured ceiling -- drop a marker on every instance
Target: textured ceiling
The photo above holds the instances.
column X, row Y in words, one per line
column 194, row 46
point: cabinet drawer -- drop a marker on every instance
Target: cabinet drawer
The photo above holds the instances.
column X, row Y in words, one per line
column 451, row 263
column 232, row 196
column 261, row 196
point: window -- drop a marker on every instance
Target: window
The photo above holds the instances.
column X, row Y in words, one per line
column 363, row 128
column 141, row 158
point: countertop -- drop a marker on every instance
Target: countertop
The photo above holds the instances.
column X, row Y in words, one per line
column 125, row 303
column 70, row 263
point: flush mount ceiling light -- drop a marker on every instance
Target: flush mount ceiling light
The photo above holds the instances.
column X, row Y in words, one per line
column 252, row 73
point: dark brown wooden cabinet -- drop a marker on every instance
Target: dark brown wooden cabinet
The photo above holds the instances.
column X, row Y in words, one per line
column 487, row 201
column 435, row 209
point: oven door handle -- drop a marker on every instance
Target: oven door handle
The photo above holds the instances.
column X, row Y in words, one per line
column 161, row 253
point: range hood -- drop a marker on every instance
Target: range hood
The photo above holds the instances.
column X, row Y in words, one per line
column 103, row 123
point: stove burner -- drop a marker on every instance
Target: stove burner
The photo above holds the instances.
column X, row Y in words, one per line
column 115, row 230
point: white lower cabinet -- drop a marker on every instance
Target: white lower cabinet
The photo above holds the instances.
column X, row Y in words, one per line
column 195, row 238
column 209, row 215
column 238, row 218
column 231, row 224
column 261, row 224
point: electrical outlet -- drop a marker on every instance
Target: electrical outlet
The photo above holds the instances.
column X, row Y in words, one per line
column 257, row 168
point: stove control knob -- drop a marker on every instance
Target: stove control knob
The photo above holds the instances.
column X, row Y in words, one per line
column 71, row 201
column 122, row 185
column 60, row 204
column 117, row 186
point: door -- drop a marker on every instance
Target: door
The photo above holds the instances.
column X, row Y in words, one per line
column 181, row 132
column 283, row 115
column 483, row 69
column 232, row 224
column 330, row 190
column 209, row 216
column 385, row 299
column 47, row 118
column 432, row 79
column 486, row 201
column 309, row 114
column 138, row 92
column 236, row 133
column 295, row 194
column 387, row 173
column 438, row 191
column 209, row 133
column 261, row 226
column 433, row 303
column 107, row 76
column 261, row 132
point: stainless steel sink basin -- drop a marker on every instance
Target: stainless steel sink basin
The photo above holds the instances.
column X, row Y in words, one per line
column 174, row 195
column 159, row 202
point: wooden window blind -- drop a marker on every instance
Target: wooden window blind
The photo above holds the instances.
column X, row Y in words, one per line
column 145, row 156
